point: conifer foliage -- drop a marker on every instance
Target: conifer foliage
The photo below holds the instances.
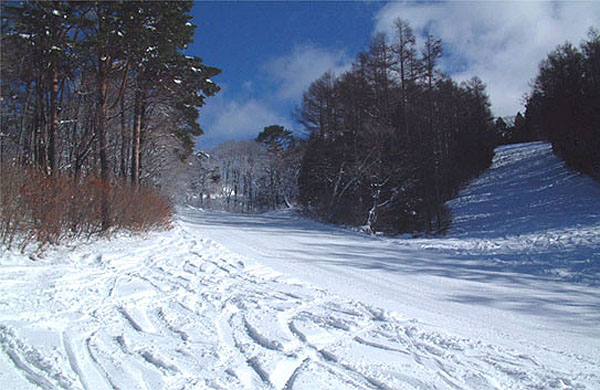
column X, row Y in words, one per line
column 393, row 138
column 100, row 89
column 565, row 103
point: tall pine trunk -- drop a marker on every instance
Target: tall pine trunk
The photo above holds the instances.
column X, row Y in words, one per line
column 136, row 139
column 102, row 81
column 52, row 148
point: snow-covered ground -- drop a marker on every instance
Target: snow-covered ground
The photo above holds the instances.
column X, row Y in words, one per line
column 510, row 299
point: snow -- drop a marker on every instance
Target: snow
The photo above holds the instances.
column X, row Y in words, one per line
column 550, row 216
column 225, row 301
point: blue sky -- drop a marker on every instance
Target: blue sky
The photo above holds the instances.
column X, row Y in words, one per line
column 268, row 52
column 271, row 51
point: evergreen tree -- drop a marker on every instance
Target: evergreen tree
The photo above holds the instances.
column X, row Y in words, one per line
column 519, row 131
column 100, row 87
column 276, row 138
column 44, row 33
column 565, row 103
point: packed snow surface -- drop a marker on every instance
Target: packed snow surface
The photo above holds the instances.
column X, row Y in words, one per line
column 509, row 299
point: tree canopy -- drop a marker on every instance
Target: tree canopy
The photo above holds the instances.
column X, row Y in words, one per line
column 101, row 85
column 564, row 104
column 393, row 138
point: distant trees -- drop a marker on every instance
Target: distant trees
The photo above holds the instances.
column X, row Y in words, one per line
column 281, row 166
column 250, row 176
column 516, row 129
column 564, row 103
column 100, row 89
column 393, row 138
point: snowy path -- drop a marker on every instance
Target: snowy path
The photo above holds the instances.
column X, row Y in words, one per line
column 278, row 302
column 177, row 312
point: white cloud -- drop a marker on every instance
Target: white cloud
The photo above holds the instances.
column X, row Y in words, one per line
column 294, row 72
column 501, row 42
column 224, row 119
column 244, row 116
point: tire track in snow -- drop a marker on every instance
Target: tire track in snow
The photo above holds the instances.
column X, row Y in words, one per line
column 420, row 349
column 12, row 349
column 289, row 384
column 82, row 364
column 91, row 354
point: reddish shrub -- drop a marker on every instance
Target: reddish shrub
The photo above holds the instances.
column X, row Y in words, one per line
column 46, row 209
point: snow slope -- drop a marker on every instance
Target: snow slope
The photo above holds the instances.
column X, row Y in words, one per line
column 530, row 214
column 278, row 302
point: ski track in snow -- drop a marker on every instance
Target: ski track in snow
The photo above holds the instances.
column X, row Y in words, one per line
column 188, row 315
column 177, row 310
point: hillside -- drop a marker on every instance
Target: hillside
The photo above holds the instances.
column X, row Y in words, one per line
column 508, row 300
column 530, row 214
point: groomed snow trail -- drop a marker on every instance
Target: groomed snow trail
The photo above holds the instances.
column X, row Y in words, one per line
column 278, row 302
column 178, row 312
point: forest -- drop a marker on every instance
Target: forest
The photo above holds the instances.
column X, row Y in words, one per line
column 98, row 102
column 391, row 140
column 387, row 143
column 249, row 176
column 100, row 108
column 564, row 104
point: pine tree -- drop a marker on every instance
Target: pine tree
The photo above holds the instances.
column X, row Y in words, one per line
column 44, row 31
column 565, row 103
column 100, row 87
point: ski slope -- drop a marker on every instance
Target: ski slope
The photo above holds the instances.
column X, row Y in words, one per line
column 510, row 299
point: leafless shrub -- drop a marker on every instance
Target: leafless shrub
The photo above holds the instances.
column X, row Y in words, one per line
column 43, row 209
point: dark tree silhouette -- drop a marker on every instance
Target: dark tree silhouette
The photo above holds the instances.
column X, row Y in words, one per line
column 392, row 139
column 565, row 103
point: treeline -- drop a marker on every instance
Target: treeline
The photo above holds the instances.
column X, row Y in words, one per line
column 564, row 104
column 393, row 138
column 100, row 89
column 249, row 176
column 516, row 130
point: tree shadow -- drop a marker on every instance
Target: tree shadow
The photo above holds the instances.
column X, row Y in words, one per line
column 533, row 288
